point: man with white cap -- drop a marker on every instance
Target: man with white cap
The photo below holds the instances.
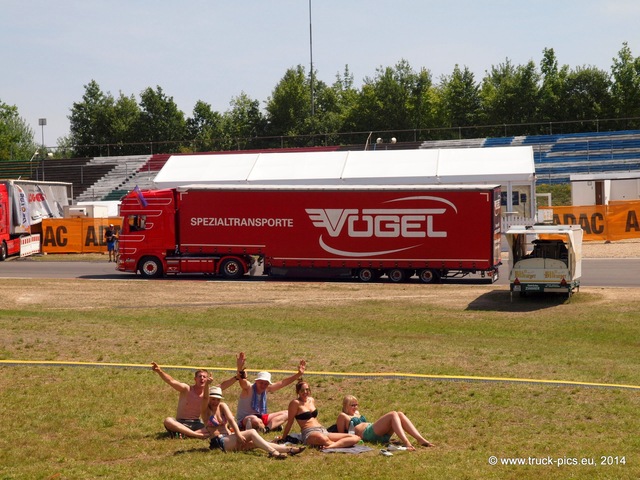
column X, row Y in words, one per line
column 252, row 404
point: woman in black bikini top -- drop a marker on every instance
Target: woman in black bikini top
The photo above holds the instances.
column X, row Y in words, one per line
column 303, row 410
column 307, row 415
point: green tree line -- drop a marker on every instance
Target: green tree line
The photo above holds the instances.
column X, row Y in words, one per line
column 509, row 100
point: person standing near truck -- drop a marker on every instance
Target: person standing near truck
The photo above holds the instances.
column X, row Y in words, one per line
column 110, row 237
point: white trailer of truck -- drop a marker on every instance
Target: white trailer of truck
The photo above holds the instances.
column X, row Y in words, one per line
column 545, row 258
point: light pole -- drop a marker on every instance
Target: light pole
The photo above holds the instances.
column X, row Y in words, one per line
column 311, row 58
column 42, row 122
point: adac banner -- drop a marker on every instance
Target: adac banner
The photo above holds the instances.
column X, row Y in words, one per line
column 76, row 235
column 619, row 220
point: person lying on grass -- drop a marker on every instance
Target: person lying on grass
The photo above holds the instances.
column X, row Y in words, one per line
column 381, row 430
column 187, row 420
column 217, row 417
column 303, row 410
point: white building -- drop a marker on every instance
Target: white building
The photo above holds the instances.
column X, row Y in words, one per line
column 601, row 188
column 511, row 167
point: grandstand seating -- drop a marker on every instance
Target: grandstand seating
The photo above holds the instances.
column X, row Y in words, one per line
column 556, row 157
column 16, row 169
column 117, row 180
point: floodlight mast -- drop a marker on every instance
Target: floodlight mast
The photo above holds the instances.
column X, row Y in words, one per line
column 311, row 59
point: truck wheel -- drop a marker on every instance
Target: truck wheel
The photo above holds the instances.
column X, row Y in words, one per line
column 428, row 276
column 231, row 268
column 3, row 251
column 396, row 275
column 150, row 267
column 367, row 275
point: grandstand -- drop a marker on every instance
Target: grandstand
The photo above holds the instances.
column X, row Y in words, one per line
column 556, row 157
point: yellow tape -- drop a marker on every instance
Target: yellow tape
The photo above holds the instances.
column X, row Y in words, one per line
column 389, row 375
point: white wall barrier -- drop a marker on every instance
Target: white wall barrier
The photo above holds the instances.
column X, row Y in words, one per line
column 29, row 245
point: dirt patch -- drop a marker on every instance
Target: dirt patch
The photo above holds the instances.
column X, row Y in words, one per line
column 202, row 293
column 185, row 293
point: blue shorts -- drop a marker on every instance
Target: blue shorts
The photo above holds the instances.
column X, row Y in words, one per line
column 217, row 442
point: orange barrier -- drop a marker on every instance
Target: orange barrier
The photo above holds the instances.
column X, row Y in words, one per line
column 76, row 235
column 620, row 220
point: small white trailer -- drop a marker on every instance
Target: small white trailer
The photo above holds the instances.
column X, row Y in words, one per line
column 545, row 258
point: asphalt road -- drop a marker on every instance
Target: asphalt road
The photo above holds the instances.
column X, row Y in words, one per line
column 600, row 272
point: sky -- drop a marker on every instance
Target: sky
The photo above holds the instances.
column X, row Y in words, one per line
column 213, row 50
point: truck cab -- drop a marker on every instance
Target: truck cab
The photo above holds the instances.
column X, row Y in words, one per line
column 545, row 258
column 150, row 240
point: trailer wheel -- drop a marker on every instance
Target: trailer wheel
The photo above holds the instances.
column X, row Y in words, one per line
column 367, row 275
column 3, row 251
column 428, row 276
column 150, row 267
column 396, row 275
column 231, row 268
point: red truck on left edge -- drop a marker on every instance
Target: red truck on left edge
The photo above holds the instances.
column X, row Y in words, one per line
column 23, row 205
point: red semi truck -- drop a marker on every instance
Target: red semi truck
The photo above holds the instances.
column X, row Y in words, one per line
column 23, row 205
column 330, row 231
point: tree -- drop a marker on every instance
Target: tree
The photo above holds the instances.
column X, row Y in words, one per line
column 289, row 106
column 553, row 89
column 395, row 99
column 459, row 97
column 64, row 148
column 205, row 127
column 91, row 120
column 125, row 117
column 510, row 94
column 626, row 84
column 587, row 96
column 335, row 102
column 16, row 136
column 160, row 121
column 243, row 123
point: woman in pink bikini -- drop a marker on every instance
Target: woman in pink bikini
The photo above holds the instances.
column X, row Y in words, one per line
column 217, row 415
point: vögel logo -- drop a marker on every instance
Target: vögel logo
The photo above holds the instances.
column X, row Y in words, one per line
column 379, row 223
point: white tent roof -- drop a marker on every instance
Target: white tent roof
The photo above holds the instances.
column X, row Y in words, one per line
column 497, row 165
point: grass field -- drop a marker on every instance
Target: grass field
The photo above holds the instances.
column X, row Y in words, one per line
column 106, row 422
